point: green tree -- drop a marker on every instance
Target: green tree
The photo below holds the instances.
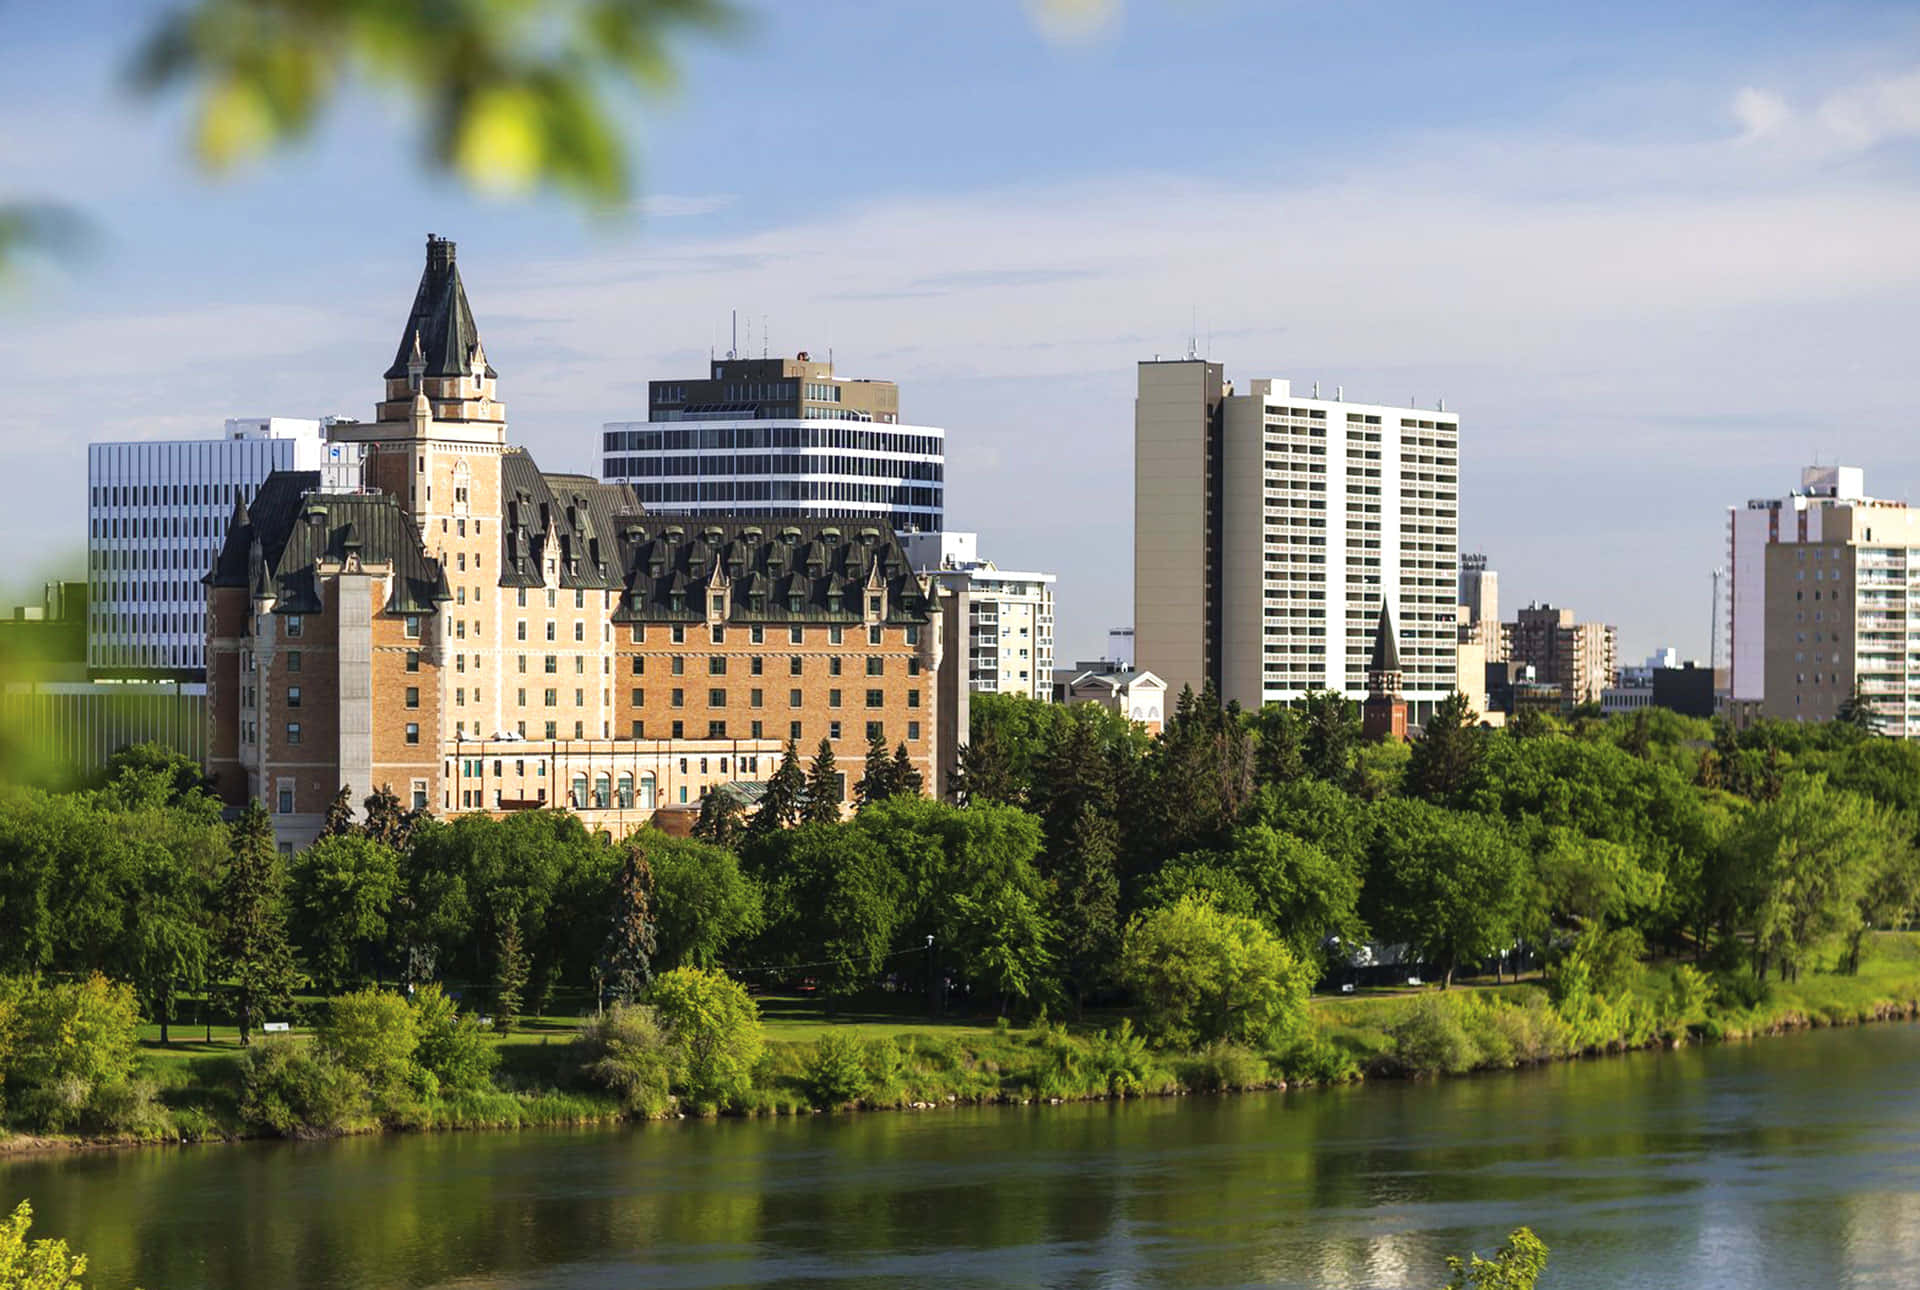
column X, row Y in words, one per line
column 1448, row 884
column 1279, row 748
column 340, row 822
column 171, row 946
column 1857, row 713
column 703, row 902
column 786, row 790
column 165, row 776
column 71, row 1041
column 721, row 822
column 984, row 773
column 626, row 954
column 387, row 822
column 1330, row 734
column 1806, row 862
column 1204, row 975
column 373, row 1034
column 1085, row 903
column 341, row 892
column 832, row 896
column 1006, row 941
column 1443, row 757
column 36, row 1265
column 509, row 975
column 1517, row 1265
column 1891, row 893
column 876, row 778
column 716, row 1024
column 823, row 788
column 907, row 779
column 1299, row 891
column 451, row 1046
column 254, row 951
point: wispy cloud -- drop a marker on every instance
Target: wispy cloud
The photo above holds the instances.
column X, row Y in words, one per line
column 1856, row 118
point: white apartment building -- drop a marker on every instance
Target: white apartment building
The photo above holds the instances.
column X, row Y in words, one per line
column 780, row 436
column 1762, row 522
column 1271, row 525
column 157, row 512
column 1009, row 614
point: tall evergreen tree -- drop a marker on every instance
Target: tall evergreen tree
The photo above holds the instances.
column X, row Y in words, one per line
column 626, row 957
column 387, row 821
column 1072, row 776
column 907, row 779
column 984, row 773
column 780, row 806
column 720, row 819
column 876, row 780
column 1444, row 756
column 1330, row 736
column 1086, row 903
column 254, row 952
column 1278, row 757
column 1858, row 714
column 339, row 815
column 823, row 788
column 509, row 974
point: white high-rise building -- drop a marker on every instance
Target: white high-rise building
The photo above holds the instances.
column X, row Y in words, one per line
column 1270, row 526
column 157, row 512
column 780, row 436
column 1762, row 522
column 1009, row 614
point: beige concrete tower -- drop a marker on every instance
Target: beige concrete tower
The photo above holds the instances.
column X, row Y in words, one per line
column 1176, row 468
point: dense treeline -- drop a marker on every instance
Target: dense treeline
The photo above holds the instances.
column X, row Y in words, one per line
column 1206, row 878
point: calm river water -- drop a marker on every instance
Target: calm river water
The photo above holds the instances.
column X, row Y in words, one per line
column 1786, row 1163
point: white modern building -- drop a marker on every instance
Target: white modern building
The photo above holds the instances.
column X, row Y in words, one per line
column 780, row 436
column 1271, row 525
column 1009, row 614
column 157, row 513
column 1761, row 523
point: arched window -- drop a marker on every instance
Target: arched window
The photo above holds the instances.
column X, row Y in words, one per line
column 624, row 795
column 646, row 791
column 602, row 791
column 577, row 796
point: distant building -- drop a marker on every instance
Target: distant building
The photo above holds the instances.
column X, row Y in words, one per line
column 1687, row 689
column 1271, row 525
column 1839, row 612
column 1384, row 714
column 1137, row 696
column 1120, row 646
column 156, row 513
column 1577, row 657
column 1010, row 614
column 1800, row 516
column 1479, row 620
column 780, row 437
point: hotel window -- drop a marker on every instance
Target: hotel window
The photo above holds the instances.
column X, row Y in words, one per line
column 639, row 698
column 285, row 802
column 757, row 634
column 876, row 666
column 579, row 598
column 833, row 698
column 639, row 665
column 293, row 732
column 833, row 666
column 717, row 666
column 793, row 731
column 718, row 633
column 553, row 698
column 679, row 665
column 679, row 730
column 294, row 624
column 679, row 699
column 796, row 635
column 793, row 666
column 913, row 731
column 716, row 730
column 755, row 665
column 754, row 698
column 293, row 660
column 876, row 730
column 679, row 634
column 836, row 635
column 876, row 698
column 552, row 665
column 793, row 698
column 413, row 660
column 833, row 730
column 552, row 628
column 293, row 696
column 716, row 698
column 410, row 627
column 873, row 608
column 419, row 794
column 639, row 729
column 913, row 698
column 521, row 599
column 579, row 631
column 413, row 732
column 520, row 629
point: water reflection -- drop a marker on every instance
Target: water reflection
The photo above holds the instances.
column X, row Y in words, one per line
column 1784, row 1163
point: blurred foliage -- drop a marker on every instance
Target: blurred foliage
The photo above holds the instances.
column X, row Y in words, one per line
column 513, row 94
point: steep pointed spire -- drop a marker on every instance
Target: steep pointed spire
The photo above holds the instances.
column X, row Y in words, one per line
column 440, row 326
column 1386, row 654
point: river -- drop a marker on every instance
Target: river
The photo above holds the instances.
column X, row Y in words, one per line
column 1790, row 1162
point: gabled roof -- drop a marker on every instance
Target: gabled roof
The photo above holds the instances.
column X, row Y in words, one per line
column 441, row 322
column 576, row 513
column 1386, row 654
column 773, row 570
column 294, row 528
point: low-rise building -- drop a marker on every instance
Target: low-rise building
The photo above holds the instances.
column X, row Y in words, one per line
column 1137, row 696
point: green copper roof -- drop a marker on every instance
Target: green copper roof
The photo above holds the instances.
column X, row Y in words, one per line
column 441, row 318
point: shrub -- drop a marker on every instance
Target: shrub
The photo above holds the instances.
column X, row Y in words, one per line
column 626, row 1051
column 1428, row 1039
column 1522, row 1032
column 716, row 1026
column 1318, row 1060
column 373, row 1034
column 836, row 1070
column 64, row 1042
column 1206, row 975
column 1689, row 996
column 286, row 1090
column 886, row 1066
column 1223, row 1067
column 1121, row 1063
column 453, row 1048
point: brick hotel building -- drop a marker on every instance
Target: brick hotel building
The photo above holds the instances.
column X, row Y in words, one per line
column 481, row 635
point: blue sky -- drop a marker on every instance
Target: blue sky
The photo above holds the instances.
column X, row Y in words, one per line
column 1658, row 256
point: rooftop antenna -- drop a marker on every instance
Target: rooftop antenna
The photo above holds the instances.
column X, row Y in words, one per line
column 1339, row 394
column 733, row 350
column 1316, row 389
column 763, row 335
column 1441, row 406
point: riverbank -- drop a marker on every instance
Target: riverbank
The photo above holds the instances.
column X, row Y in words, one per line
column 821, row 1066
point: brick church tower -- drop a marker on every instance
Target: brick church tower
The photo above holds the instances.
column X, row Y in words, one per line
column 1384, row 715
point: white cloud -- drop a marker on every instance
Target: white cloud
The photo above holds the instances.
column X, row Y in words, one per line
column 1851, row 120
column 1760, row 112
